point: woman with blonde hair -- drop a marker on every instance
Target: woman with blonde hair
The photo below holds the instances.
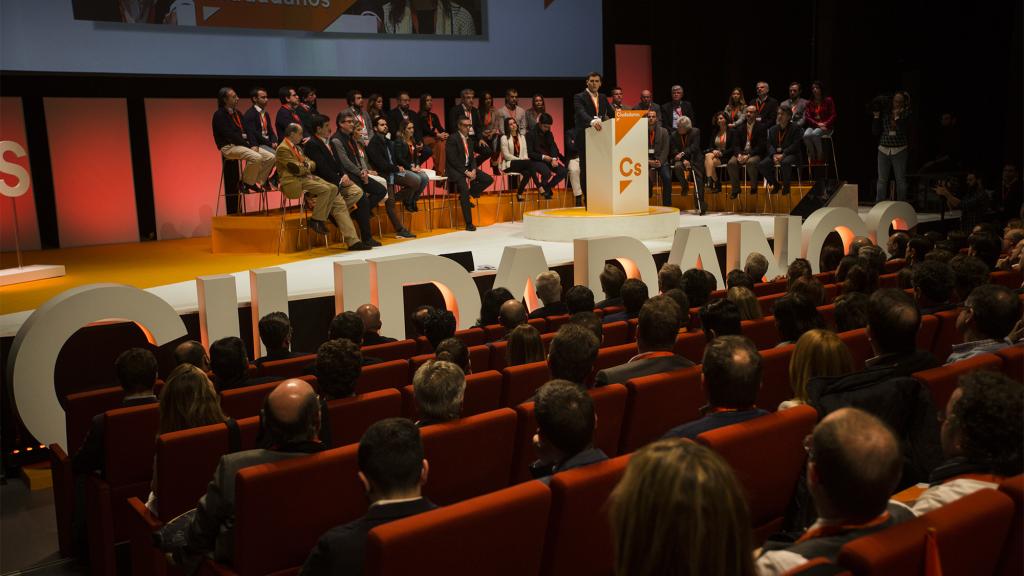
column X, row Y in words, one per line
column 524, row 346
column 818, row 353
column 736, row 108
column 746, row 301
column 680, row 510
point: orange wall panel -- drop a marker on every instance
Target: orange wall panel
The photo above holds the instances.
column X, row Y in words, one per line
column 12, row 129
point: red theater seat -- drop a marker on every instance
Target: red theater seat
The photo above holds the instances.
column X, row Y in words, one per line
column 614, row 355
column 894, row 265
column 941, row 381
column 766, row 288
column 472, row 336
column 497, row 354
column 768, row 457
column 946, row 335
column 483, row 394
column 1009, row 278
column 767, row 303
column 826, row 277
column 609, row 407
column 241, row 403
column 494, row 332
column 520, row 382
column 398, row 350
column 470, row 456
column 80, row 407
column 690, row 345
column 832, row 291
column 287, row 368
column 859, row 345
column 393, row 374
column 1011, row 561
column 541, row 324
column 1013, row 362
column 926, row 333
column 579, row 537
column 659, row 402
column 500, row 534
column 350, row 417
column 775, row 386
column 969, row 534
column 828, row 315
column 818, row 567
column 615, row 333
column 763, row 332
column 556, row 322
column 889, row 280
column 694, row 318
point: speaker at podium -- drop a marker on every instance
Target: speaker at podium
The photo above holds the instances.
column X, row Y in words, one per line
column 617, row 170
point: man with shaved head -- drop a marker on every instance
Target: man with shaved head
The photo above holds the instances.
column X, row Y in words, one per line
column 511, row 314
column 290, row 427
column 853, row 466
column 192, row 352
column 371, row 325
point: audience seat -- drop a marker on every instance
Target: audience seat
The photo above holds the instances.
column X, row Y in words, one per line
column 287, row 368
column 541, row 324
column 946, row 335
column 398, row 350
column 611, row 310
column 556, row 322
column 1010, row 278
column 894, row 265
column 659, row 402
column 926, row 333
column 828, row 315
column 494, row 332
column 832, row 291
column 694, row 318
column 499, row 534
column 762, row 332
column 497, row 350
column 767, row 303
column 766, row 288
column 615, row 333
column 859, row 345
column 609, row 408
column 775, row 386
column 579, row 536
column 717, row 295
column 614, row 355
column 631, row 327
column 1013, row 362
column 826, row 277
column 889, row 280
column 520, row 382
column 479, row 359
column 1011, row 561
column 969, row 535
column 472, row 336
column 81, row 407
column 483, row 394
column 942, row 380
column 243, row 402
column 393, row 374
column 690, row 345
column 350, row 417
column 470, row 456
column 818, row 567
column 768, row 457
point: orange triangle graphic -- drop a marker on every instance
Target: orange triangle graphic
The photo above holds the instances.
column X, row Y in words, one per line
column 623, row 125
column 623, row 184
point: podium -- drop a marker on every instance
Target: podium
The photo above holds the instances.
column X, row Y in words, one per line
column 617, row 170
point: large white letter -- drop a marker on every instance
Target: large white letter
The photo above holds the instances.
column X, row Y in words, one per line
column 899, row 215
column 519, row 266
column 590, row 254
column 744, row 237
column 821, row 223
column 218, row 307
column 787, row 240
column 268, row 289
column 352, row 285
column 391, row 273
column 692, row 248
column 33, row 356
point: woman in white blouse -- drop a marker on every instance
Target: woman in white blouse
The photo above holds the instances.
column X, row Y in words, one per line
column 514, row 157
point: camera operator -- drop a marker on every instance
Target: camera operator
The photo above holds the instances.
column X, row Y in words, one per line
column 892, row 127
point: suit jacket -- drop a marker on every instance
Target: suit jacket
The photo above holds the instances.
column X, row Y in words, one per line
column 275, row 355
column 660, row 145
column 769, row 109
column 584, row 113
column 254, row 128
column 402, row 156
column 556, row 309
column 285, row 117
column 792, row 140
column 711, row 422
column 457, row 112
column 212, row 527
column 758, row 140
column 291, row 184
column 537, row 142
column 638, row 368
column 382, row 159
column 327, row 164
column 374, row 338
column 455, row 156
column 652, row 106
column 691, row 149
column 589, row 456
column 341, row 550
column 225, row 130
column 666, row 112
column 91, row 455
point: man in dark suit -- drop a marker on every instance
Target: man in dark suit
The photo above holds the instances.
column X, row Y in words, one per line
column 765, row 107
column 136, row 372
column 750, row 144
column 549, row 290
column 647, row 104
column 329, row 168
column 676, row 108
column 462, row 169
column 276, row 335
column 612, row 278
column 230, row 365
column 685, row 155
column 633, row 295
column 565, row 430
column 257, row 123
column 590, row 107
column 783, row 151
column 371, row 325
column 349, row 325
column 382, row 161
column 291, row 426
column 288, row 112
column 548, row 162
column 393, row 470
column 465, row 108
column 656, row 337
column 657, row 157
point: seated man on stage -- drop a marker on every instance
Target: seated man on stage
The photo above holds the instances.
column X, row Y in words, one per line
column 685, row 155
column 327, row 166
column 512, row 110
column 297, row 178
column 548, row 162
column 749, row 147
column 382, row 160
column 784, row 140
column 288, row 112
column 257, row 124
column 462, row 169
column 233, row 142
column 657, row 157
column 350, row 152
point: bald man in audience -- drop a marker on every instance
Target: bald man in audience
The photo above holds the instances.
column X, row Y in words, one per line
column 511, row 314
column 192, row 352
column 291, row 426
column 371, row 325
column 853, row 466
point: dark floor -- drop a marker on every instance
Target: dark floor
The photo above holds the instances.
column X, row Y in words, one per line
column 28, row 533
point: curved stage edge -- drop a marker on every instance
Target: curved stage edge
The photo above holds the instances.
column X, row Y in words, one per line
column 567, row 224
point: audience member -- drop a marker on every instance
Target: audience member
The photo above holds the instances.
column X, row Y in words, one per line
column 933, row 286
column 810, row 288
column 439, row 326
column 455, row 351
column 818, row 352
column 746, row 303
column 511, row 314
column 298, row 179
column 845, row 263
column 830, row 257
column 565, row 430
column 579, row 298
column 765, row 106
column 348, row 325
column 655, row 339
column 675, row 109
column 794, row 316
column 986, row 248
column 968, row 273
column 325, row 163
column 612, row 278
column 572, row 355
column 732, row 379
column 905, row 278
column 679, row 297
column 860, row 278
column 721, row 145
column 276, row 334
column 756, row 266
column 685, row 154
column 232, row 141
column 783, row 152
column 515, row 157
column 590, row 321
column 634, row 294
column 797, row 269
column 917, row 247
column 549, row 291
column 192, row 352
column 524, row 346
column 738, row 278
column 230, row 364
column 439, row 387
column 291, row 428
column 658, row 166
column 669, row 277
column 853, row 465
column 418, row 318
column 851, row 311
column 986, row 319
column 370, row 315
column 720, row 318
column 857, row 243
column 338, row 366
column 711, row 281
column 381, row 155
column 940, row 254
column 393, row 470
column 696, row 286
column 675, row 499
column 736, row 108
column 470, row 181
column 490, row 305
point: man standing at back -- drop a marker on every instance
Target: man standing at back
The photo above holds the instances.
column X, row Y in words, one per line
column 590, row 107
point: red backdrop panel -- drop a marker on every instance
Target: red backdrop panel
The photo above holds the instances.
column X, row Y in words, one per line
column 12, row 129
column 92, row 170
column 633, row 71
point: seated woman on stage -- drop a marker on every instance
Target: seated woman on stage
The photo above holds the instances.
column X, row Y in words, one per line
column 819, row 117
column 432, row 131
column 490, row 120
column 514, row 157
column 407, row 156
column 374, row 108
column 718, row 154
column 735, row 109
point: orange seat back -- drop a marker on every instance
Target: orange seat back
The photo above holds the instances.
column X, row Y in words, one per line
column 762, row 332
column 614, row 355
column 392, row 374
column 350, row 417
column 398, row 350
column 690, row 345
column 859, row 345
column 470, row 456
column 775, row 386
column 520, row 382
column 287, row 368
column 946, row 335
column 941, row 381
column 1013, row 362
column 659, row 402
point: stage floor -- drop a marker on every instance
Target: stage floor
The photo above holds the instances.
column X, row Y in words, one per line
column 168, row 268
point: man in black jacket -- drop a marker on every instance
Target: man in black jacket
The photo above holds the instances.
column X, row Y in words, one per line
column 258, row 126
column 353, row 162
column 548, row 162
column 382, row 160
column 749, row 146
column 288, row 112
column 784, row 141
column 590, row 107
column 886, row 388
column 656, row 336
column 276, row 334
column 765, row 107
column 684, row 154
column 231, row 139
column 462, row 169
column 393, row 470
column 673, row 110
column 328, row 166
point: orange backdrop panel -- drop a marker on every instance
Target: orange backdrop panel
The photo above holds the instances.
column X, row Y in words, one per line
column 92, row 170
column 633, row 71
column 12, row 129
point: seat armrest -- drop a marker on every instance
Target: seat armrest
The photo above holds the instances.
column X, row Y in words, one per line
column 63, row 498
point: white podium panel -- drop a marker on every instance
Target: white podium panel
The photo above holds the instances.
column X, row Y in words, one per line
column 617, row 171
